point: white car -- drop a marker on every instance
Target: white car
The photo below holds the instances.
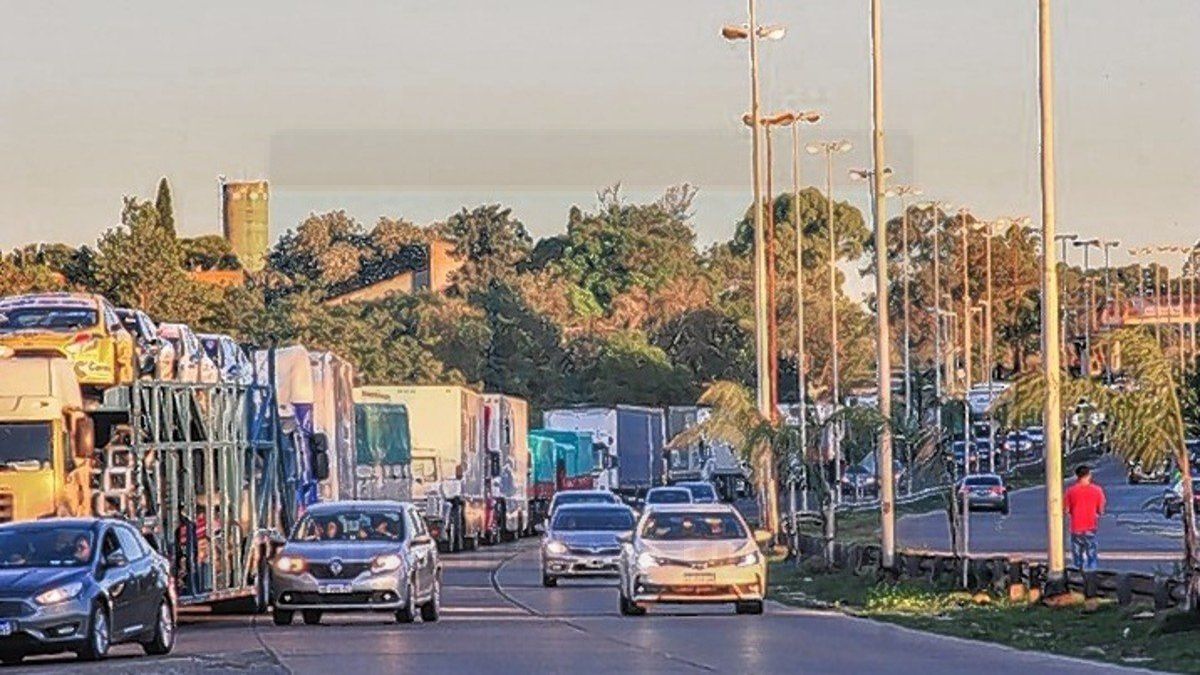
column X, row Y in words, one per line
column 693, row 554
column 192, row 364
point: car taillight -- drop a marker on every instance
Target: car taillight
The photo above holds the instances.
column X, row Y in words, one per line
column 81, row 338
column 997, row 490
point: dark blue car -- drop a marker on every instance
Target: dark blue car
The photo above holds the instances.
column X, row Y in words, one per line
column 81, row 585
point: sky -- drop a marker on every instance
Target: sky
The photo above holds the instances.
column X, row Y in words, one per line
column 416, row 108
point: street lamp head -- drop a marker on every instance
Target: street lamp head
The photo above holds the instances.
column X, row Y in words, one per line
column 771, row 32
column 861, row 174
column 808, row 116
column 1086, row 242
column 828, row 147
column 1065, row 237
column 735, row 32
column 782, row 119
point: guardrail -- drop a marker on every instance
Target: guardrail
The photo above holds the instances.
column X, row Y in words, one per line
column 1003, row 575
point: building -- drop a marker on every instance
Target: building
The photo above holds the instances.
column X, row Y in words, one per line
column 245, row 220
column 435, row 274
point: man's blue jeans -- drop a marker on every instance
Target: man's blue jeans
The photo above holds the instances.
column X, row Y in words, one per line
column 1083, row 551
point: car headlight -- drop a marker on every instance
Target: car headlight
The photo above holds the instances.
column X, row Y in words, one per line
column 291, row 564
column 386, row 563
column 751, row 558
column 645, row 560
column 556, row 547
column 59, row 594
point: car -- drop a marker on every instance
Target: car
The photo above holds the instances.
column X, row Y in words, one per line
column 984, row 492
column 233, row 366
column 581, row 497
column 581, row 541
column 1037, row 436
column 1018, row 444
column 692, row 553
column 82, row 328
column 353, row 556
column 668, row 495
column 859, row 480
column 192, row 363
column 155, row 354
column 702, row 491
column 1143, row 472
column 965, row 455
column 81, row 585
column 1173, row 498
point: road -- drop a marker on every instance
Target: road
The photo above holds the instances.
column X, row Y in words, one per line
column 499, row 619
column 1133, row 534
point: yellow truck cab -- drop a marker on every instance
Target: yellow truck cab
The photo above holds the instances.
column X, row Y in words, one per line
column 46, row 439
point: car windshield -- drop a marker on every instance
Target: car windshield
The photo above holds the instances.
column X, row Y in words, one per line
column 983, row 480
column 702, row 492
column 25, row 445
column 680, row 496
column 608, row 520
column 46, row 545
column 682, row 526
column 57, row 319
column 564, row 498
column 351, row 525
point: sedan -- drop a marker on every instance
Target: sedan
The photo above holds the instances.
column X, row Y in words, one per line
column 984, row 491
column 1173, row 498
column 81, row 585
column 155, row 355
column 702, row 491
column 582, row 497
column 668, row 495
column 693, row 553
column 192, row 363
column 357, row 556
column 582, row 541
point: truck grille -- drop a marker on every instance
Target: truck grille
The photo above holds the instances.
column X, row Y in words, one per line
column 6, row 507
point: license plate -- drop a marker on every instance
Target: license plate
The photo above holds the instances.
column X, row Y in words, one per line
column 334, row 588
column 7, row 628
column 700, row 578
column 596, row 563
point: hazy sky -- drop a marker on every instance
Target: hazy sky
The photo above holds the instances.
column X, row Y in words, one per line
column 415, row 108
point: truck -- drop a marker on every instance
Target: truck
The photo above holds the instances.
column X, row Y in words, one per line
column 333, row 416
column 708, row 460
column 383, row 448
column 198, row 468
column 629, row 444
column 506, row 425
column 558, row 460
column 449, row 465
column 288, row 372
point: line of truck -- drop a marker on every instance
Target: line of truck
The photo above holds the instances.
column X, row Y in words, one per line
column 216, row 473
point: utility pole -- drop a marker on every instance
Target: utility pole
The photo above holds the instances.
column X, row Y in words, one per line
column 887, row 484
column 966, row 332
column 1052, row 405
column 987, row 351
column 903, row 191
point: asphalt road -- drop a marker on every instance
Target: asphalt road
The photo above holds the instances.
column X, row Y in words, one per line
column 1133, row 534
column 498, row 619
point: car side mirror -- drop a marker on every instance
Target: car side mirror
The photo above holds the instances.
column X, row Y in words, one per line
column 84, row 437
column 115, row 559
column 320, row 464
column 762, row 537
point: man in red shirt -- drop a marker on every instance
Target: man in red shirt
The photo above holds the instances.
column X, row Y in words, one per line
column 1084, row 504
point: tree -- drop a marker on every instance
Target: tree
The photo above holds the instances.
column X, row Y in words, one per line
column 490, row 241
column 163, row 206
column 208, row 252
column 710, row 345
column 622, row 367
column 524, row 355
column 1144, row 421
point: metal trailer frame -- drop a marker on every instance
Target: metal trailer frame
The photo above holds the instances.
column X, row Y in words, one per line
column 178, row 455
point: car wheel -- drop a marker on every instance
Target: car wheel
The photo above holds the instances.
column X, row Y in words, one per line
column 163, row 639
column 432, row 610
column 408, row 613
column 549, row 581
column 629, row 607
column 99, row 636
column 1133, row 480
column 282, row 617
column 1004, row 508
column 749, row 607
column 312, row 617
column 471, row 543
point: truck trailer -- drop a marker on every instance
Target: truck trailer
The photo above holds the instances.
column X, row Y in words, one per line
column 629, row 444
column 448, row 465
column 558, row 460
column 506, row 425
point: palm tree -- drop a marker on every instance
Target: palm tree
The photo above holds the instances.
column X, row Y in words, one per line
column 1143, row 417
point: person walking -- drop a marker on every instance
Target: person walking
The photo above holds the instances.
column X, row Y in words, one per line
column 1084, row 503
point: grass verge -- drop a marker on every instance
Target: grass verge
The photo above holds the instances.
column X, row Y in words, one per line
column 1100, row 630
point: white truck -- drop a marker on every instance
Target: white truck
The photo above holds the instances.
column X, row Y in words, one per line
column 506, row 424
column 628, row 442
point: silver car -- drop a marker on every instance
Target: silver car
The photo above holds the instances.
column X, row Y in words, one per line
column 357, row 556
column 581, row 541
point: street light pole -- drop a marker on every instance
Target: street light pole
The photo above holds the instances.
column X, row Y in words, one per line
column 966, row 331
column 1052, row 409
column 1064, row 239
column 903, row 191
column 1085, row 363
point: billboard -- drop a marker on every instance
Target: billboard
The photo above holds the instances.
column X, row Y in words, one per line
column 245, row 211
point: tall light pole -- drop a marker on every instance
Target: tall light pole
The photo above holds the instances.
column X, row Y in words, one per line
column 752, row 32
column 1052, row 410
column 1064, row 239
column 829, row 149
column 1170, row 305
column 903, row 192
column 1085, row 363
column 935, row 226
column 964, row 229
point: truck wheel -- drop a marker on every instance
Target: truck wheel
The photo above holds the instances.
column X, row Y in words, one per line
column 262, row 583
column 749, row 607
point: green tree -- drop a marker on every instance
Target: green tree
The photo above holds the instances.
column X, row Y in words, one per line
column 622, row 367
column 710, row 345
column 491, row 242
column 524, row 356
column 208, row 252
column 163, row 206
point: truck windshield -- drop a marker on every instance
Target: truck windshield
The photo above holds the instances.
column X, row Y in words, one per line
column 45, row 545
column 58, row 319
column 25, row 445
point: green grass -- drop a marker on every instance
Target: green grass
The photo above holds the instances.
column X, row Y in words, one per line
column 1100, row 631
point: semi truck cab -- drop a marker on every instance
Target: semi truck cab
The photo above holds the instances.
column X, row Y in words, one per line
column 46, row 440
